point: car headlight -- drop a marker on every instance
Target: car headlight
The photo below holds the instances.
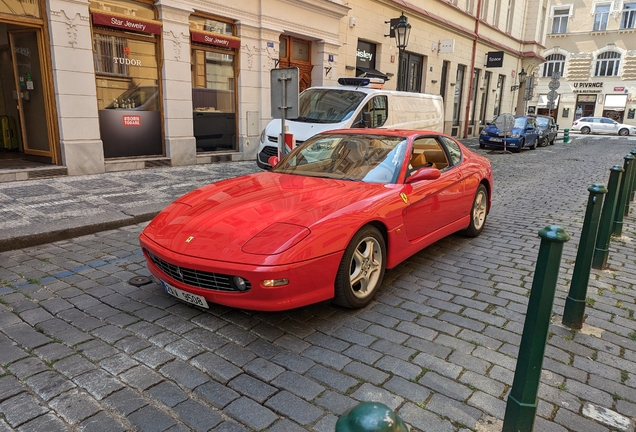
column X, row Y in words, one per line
column 263, row 136
column 515, row 135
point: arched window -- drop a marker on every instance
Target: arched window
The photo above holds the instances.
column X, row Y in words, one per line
column 554, row 63
column 607, row 64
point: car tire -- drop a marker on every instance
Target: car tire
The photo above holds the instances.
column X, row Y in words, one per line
column 478, row 212
column 518, row 149
column 361, row 270
column 552, row 142
column 533, row 146
column 585, row 130
column 623, row 132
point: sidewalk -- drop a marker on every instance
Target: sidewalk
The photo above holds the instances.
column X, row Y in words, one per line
column 43, row 211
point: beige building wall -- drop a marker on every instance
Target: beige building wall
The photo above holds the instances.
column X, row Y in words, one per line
column 583, row 47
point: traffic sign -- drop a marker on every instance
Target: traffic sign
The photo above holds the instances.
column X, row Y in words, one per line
column 552, row 95
column 553, row 85
column 556, row 75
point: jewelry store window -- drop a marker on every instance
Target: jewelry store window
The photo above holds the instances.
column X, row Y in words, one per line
column 125, row 50
column 214, row 73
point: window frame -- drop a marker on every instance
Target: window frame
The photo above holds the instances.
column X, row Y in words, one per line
column 625, row 13
column 563, row 12
column 604, row 62
column 601, row 18
column 553, row 65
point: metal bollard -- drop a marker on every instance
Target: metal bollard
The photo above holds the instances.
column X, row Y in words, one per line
column 601, row 249
column 575, row 301
column 633, row 188
column 370, row 417
column 617, row 226
column 522, row 400
column 629, row 179
column 566, row 135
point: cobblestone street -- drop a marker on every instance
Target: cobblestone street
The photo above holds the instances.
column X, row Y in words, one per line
column 82, row 349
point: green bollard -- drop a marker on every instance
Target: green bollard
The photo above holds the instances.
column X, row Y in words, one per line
column 601, row 250
column 629, row 180
column 370, row 417
column 522, row 400
column 575, row 301
column 566, row 135
column 633, row 189
column 617, row 226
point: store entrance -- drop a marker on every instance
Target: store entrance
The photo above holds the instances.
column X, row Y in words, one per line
column 25, row 129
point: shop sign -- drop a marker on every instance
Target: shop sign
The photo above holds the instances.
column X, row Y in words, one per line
column 587, row 85
column 494, row 59
column 619, row 88
column 127, row 61
column 131, row 120
column 215, row 39
column 126, row 23
column 364, row 56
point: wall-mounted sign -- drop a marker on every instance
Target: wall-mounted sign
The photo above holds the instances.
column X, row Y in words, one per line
column 630, row 113
column 121, row 22
column 215, row 39
column 365, row 54
column 127, row 61
column 587, row 85
column 494, row 59
column 619, row 88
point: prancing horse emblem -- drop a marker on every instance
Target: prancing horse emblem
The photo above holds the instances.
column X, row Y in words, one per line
column 404, row 198
column 189, row 239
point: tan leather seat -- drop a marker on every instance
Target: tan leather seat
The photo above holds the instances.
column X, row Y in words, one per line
column 418, row 160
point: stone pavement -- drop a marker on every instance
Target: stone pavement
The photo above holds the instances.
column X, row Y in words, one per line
column 81, row 349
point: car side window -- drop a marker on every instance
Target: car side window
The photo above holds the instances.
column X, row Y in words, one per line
column 430, row 150
column 608, row 121
column 378, row 108
column 453, row 150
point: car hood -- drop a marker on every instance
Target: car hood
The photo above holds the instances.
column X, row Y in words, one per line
column 301, row 131
column 216, row 221
column 495, row 130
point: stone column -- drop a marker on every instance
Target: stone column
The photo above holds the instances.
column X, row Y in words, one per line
column 177, row 83
column 75, row 87
column 325, row 72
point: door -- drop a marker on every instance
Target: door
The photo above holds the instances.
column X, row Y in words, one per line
column 30, row 93
column 295, row 52
column 432, row 205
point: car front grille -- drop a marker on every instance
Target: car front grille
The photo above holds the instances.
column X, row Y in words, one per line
column 198, row 278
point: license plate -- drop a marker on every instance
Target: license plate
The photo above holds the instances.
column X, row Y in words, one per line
column 194, row 299
column 495, row 139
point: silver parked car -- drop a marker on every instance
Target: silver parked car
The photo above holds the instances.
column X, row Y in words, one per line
column 587, row 125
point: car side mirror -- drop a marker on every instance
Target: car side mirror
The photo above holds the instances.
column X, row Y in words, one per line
column 487, row 123
column 424, row 174
column 272, row 161
column 366, row 118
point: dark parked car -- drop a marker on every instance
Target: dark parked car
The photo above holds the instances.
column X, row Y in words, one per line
column 522, row 132
column 548, row 130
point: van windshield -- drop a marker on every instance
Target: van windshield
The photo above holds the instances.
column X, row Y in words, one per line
column 327, row 105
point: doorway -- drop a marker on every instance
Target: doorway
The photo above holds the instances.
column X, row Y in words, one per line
column 25, row 120
column 295, row 52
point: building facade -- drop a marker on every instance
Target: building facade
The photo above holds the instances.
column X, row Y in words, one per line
column 592, row 47
column 92, row 86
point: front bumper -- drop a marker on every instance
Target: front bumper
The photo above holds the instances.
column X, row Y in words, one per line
column 499, row 142
column 310, row 281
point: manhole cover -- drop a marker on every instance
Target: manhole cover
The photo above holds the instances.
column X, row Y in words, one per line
column 139, row 281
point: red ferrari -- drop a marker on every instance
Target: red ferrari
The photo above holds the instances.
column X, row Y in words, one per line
column 324, row 224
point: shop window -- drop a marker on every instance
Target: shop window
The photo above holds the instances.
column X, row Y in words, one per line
column 127, row 78
column 214, row 84
column 601, row 14
column 554, row 63
column 560, row 21
column 607, row 64
column 27, row 8
column 628, row 20
column 473, row 96
column 458, row 88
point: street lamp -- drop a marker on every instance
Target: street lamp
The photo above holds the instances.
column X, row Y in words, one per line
column 402, row 31
column 522, row 76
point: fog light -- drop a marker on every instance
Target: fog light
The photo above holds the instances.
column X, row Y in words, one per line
column 275, row 282
column 240, row 283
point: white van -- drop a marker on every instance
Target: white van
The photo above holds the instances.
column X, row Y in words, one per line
column 356, row 102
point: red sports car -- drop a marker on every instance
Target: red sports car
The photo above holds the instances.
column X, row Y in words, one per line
column 324, row 224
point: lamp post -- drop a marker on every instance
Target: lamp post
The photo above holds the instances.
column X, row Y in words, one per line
column 402, row 32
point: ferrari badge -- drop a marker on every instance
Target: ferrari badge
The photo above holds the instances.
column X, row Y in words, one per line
column 404, row 198
column 189, row 239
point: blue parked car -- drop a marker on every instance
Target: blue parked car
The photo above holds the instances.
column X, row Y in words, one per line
column 523, row 133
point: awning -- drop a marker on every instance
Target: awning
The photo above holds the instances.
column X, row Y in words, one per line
column 543, row 101
column 371, row 73
column 615, row 101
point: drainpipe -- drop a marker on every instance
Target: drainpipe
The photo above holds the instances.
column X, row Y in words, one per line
column 472, row 68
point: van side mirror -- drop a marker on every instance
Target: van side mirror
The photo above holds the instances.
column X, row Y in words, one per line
column 366, row 119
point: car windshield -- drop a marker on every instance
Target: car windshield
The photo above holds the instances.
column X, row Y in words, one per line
column 327, row 105
column 542, row 121
column 366, row 158
column 520, row 122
